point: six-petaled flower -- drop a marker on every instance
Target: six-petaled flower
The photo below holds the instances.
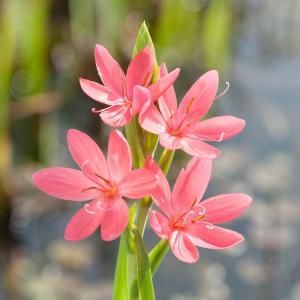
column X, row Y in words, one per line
column 103, row 182
column 120, row 91
column 187, row 221
column 179, row 128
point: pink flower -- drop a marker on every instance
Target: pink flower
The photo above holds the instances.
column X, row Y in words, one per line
column 179, row 128
column 119, row 90
column 186, row 222
column 102, row 181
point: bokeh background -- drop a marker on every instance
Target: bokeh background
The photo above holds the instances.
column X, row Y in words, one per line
column 45, row 46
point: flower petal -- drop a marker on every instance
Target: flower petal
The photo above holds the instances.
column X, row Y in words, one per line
column 140, row 70
column 161, row 194
column 82, row 225
column 119, row 160
column 151, row 120
column 65, row 183
column 141, row 96
column 168, row 101
column 201, row 95
column 225, row 207
column 218, row 128
column 109, row 70
column 197, row 148
column 183, row 248
column 191, row 185
column 160, row 224
column 168, row 141
column 115, row 221
column 116, row 116
column 209, row 236
column 137, row 184
column 160, row 86
column 99, row 92
column 86, row 154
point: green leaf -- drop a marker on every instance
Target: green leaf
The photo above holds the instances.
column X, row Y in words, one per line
column 144, row 275
column 143, row 39
column 165, row 160
column 125, row 267
column 134, row 136
column 157, row 254
column 121, row 290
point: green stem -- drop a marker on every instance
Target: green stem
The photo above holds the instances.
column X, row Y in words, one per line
column 166, row 160
column 142, row 213
column 150, row 143
column 134, row 136
column 125, row 271
column 156, row 256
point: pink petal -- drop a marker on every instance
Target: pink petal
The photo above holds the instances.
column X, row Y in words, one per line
column 159, row 87
column 168, row 141
column 86, row 154
column 116, row 116
column 151, row 120
column 190, row 185
column 161, row 194
column 219, row 128
column 209, row 236
column 119, row 159
column 115, row 221
column 168, row 97
column 140, row 70
column 197, row 148
column 137, row 184
column 141, row 96
column 65, row 183
column 183, row 248
column 160, row 224
column 226, row 207
column 99, row 92
column 109, row 70
column 82, row 225
column 201, row 95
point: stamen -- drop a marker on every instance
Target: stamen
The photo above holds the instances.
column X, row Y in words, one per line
column 89, row 188
column 104, row 179
column 105, row 204
column 221, row 137
column 146, row 78
column 86, row 208
column 225, row 91
column 96, row 111
column 195, row 215
column 190, row 105
column 198, row 218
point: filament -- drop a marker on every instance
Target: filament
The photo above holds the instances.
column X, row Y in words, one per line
column 225, row 91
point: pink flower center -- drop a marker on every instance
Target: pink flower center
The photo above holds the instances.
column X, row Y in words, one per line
column 195, row 215
column 127, row 102
column 108, row 193
column 175, row 132
column 111, row 192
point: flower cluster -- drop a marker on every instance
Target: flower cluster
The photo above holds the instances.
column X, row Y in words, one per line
column 104, row 184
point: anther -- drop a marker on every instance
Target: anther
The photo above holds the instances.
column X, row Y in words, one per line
column 89, row 189
column 190, row 105
column 225, row 91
